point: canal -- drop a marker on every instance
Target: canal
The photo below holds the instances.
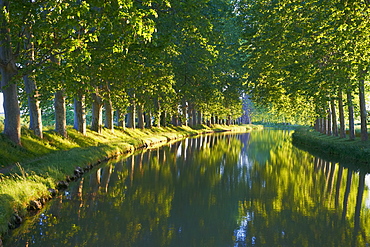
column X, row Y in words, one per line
column 250, row 189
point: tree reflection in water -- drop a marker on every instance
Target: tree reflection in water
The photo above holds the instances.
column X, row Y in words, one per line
column 252, row 189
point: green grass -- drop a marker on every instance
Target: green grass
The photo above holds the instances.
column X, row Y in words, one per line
column 27, row 172
column 333, row 148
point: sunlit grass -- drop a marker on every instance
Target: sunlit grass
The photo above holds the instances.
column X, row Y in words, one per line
column 40, row 163
column 333, row 147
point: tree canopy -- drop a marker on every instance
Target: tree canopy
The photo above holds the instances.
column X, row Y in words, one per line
column 182, row 62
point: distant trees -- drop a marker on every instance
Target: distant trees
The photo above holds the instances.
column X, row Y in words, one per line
column 155, row 61
column 304, row 56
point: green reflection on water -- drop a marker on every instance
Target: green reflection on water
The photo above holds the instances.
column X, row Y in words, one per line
column 252, row 189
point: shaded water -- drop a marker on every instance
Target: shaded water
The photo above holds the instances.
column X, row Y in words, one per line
column 252, row 189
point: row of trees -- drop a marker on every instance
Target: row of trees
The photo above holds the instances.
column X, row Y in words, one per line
column 309, row 58
column 152, row 60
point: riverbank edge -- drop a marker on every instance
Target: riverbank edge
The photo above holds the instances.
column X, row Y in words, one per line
column 333, row 148
column 35, row 182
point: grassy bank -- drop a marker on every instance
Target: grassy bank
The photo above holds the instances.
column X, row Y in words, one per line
column 335, row 148
column 28, row 172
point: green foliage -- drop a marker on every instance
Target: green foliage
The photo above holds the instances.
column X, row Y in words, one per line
column 303, row 50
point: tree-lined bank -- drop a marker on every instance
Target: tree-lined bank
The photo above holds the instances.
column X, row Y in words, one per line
column 44, row 162
column 308, row 60
column 141, row 64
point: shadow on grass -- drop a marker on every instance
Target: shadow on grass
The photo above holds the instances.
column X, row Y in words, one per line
column 351, row 153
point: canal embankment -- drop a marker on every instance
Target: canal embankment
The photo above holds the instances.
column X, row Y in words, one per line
column 332, row 147
column 33, row 173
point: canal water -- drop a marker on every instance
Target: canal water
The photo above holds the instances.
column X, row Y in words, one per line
column 250, row 189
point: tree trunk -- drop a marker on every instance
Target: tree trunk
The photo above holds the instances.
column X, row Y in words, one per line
column 60, row 113
column 109, row 115
column 32, row 93
column 33, row 106
column 97, row 113
column 164, row 119
column 190, row 113
column 140, row 116
column 194, row 117
column 245, row 119
column 157, row 120
column 328, row 126
column 351, row 121
column 228, row 121
column 157, row 113
column 200, row 117
column 212, row 120
column 120, row 119
column 342, row 130
column 80, row 114
column 321, row 125
column 363, row 112
column 131, row 116
column 184, row 118
column 148, row 120
column 334, row 118
column 12, row 122
column 175, row 120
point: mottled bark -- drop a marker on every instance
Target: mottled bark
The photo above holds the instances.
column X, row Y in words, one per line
column 12, row 123
column 175, row 120
column 329, row 119
column 164, row 119
column 131, row 116
column 97, row 113
column 184, row 117
column 321, row 125
column 194, row 117
column 33, row 106
column 351, row 121
column 80, row 114
column 148, row 120
column 342, row 129
column 363, row 112
column 109, row 115
column 200, row 117
column 246, row 119
column 140, row 116
column 157, row 112
column 60, row 113
column 334, row 118
column 158, row 118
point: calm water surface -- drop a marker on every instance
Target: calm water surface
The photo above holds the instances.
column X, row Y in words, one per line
column 252, row 189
